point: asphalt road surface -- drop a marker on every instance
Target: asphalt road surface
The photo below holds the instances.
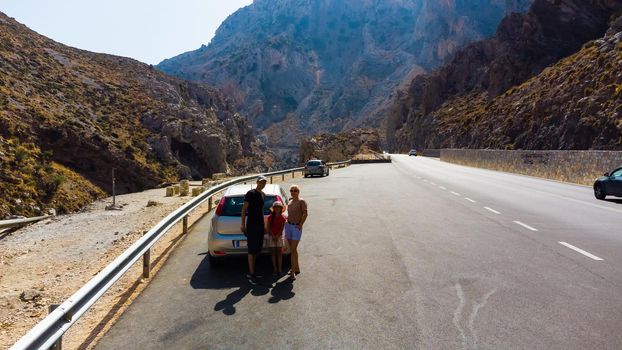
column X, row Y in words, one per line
column 417, row 254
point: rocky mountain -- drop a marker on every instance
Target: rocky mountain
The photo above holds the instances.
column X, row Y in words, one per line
column 67, row 117
column 304, row 66
column 499, row 93
column 341, row 146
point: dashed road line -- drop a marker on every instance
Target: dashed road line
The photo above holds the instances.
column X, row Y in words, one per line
column 433, row 183
column 470, row 200
column 455, row 193
column 579, row 250
column 492, row 210
column 442, row 188
column 526, row 226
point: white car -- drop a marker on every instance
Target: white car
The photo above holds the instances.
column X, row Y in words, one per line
column 225, row 238
column 412, row 152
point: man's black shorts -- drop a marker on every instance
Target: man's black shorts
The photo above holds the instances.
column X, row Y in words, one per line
column 254, row 240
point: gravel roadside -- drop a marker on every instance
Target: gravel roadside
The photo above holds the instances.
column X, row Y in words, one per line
column 46, row 262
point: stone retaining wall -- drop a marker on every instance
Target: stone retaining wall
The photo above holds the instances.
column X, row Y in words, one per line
column 433, row 153
column 581, row 167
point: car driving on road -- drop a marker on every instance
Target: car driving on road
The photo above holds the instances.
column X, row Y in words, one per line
column 225, row 238
column 316, row 167
column 412, row 152
column 609, row 184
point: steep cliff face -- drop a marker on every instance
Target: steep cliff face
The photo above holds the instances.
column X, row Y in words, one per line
column 68, row 116
column 314, row 65
column 466, row 103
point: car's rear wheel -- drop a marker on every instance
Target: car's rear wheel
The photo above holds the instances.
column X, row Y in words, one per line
column 599, row 192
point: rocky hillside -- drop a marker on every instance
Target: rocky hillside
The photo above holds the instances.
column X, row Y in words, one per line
column 341, row 146
column 68, row 116
column 312, row 65
column 484, row 97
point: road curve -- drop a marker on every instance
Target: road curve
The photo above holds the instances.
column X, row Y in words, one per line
column 417, row 254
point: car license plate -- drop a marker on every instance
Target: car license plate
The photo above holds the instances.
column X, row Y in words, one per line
column 239, row 244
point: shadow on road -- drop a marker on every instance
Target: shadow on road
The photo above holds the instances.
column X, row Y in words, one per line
column 616, row 200
column 282, row 291
column 231, row 274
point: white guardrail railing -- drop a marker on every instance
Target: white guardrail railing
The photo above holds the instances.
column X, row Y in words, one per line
column 49, row 331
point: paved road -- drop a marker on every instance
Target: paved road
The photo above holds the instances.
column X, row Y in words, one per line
column 417, row 254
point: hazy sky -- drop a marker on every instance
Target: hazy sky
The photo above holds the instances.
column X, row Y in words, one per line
column 147, row 30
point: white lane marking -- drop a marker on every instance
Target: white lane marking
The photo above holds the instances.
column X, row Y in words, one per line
column 424, row 180
column 492, row 210
column 470, row 200
column 455, row 193
column 442, row 188
column 526, row 226
column 589, row 255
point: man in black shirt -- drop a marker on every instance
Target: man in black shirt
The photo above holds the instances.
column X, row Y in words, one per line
column 253, row 224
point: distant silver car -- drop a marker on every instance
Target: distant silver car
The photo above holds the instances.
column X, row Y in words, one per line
column 316, row 167
column 412, row 152
column 225, row 238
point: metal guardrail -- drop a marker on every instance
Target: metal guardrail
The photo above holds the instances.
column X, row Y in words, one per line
column 49, row 331
column 20, row 222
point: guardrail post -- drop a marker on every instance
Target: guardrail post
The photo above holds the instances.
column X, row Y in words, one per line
column 185, row 224
column 58, row 345
column 293, row 174
column 209, row 204
column 147, row 264
column 282, row 177
column 270, row 179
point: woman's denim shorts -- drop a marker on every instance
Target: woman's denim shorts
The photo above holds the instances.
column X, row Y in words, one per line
column 292, row 232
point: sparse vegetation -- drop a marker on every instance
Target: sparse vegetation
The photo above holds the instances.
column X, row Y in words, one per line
column 68, row 116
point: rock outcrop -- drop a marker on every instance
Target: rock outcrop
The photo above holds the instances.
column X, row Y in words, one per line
column 341, row 146
column 311, row 66
column 483, row 97
column 67, row 117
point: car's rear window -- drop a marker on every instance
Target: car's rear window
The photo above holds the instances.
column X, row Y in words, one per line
column 313, row 163
column 233, row 205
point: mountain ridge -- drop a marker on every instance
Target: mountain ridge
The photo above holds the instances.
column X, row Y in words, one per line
column 313, row 65
column 68, row 116
column 465, row 102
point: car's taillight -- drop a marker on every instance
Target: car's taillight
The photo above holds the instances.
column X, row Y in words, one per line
column 221, row 206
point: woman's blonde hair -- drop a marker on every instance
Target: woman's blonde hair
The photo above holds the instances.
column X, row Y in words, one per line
column 294, row 186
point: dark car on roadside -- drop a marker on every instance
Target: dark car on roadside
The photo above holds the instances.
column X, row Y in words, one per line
column 609, row 184
column 316, row 167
